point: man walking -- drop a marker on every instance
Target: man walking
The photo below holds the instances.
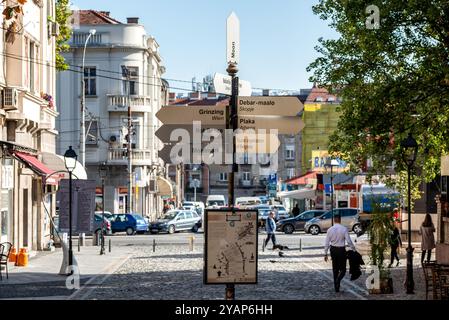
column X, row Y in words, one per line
column 270, row 227
column 336, row 238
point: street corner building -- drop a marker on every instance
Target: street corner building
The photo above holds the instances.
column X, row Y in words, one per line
column 122, row 70
column 27, row 119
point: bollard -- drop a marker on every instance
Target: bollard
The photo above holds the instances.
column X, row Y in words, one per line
column 191, row 242
column 300, row 245
column 82, row 239
column 263, row 246
column 154, row 245
column 79, row 249
column 110, row 245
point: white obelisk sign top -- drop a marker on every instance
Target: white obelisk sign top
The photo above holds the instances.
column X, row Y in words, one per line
column 233, row 39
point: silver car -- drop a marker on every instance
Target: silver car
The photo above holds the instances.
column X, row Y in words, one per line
column 349, row 218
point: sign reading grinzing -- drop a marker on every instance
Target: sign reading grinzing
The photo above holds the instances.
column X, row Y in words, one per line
column 231, row 247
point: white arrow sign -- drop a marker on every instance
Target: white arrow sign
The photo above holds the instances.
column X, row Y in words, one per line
column 233, row 39
column 223, row 85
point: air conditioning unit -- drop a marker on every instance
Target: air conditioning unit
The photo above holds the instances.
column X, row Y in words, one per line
column 53, row 29
column 10, row 99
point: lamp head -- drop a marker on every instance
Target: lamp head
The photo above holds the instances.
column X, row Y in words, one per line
column 332, row 163
column 70, row 157
column 409, row 148
column 92, row 31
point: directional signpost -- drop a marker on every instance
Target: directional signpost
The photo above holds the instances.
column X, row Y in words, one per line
column 273, row 106
column 223, row 85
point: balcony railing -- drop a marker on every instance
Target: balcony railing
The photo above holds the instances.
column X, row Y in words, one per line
column 121, row 102
column 120, row 156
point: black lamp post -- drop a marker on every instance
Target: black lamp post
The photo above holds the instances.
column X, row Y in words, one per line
column 332, row 163
column 103, row 171
column 409, row 150
column 70, row 163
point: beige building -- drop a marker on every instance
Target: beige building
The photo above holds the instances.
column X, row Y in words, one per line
column 27, row 120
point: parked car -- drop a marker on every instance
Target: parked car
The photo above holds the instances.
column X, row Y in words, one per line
column 215, row 201
column 177, row 220
column 297, row 223
column 98, row 225
column 263, row 212
column 107, row 214
column 349, row 218
column 129, row 223
column 281, row 212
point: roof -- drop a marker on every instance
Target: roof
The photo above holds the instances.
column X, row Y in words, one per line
column 93, row 17
column 303, row 179
column 318, row 94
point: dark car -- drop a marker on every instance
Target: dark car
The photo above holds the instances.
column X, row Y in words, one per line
column 297, row 223
column 177, row 220
column 129, row 223
column 349, row 219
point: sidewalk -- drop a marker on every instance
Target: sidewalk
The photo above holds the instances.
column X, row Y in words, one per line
column 41, row 278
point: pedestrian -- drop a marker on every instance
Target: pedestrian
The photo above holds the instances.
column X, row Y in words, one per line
column 395, row 243
column 295, row 210
column 427, row 237
column 336, row 239
column 270, row 227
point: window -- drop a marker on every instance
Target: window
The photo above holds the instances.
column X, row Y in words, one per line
column 289, row 152
column 92, row 132
column 133, row 73
column 32, row 74
column 223, row 176
column 90, row 81
column 246, row 176
column 291, row 172
column 188, row 215
column 307, row 216
column 181, row 216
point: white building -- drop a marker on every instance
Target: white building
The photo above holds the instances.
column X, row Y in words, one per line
column 27, row 125
column 113, row 47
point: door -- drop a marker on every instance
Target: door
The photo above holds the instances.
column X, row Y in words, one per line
column 302, row 219
column 348, row 217
column 122, row 199
column 190, row 221
column 120, row 223
column 326, row 221
column 180, row 221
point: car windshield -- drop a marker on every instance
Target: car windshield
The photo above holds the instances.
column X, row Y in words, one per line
column 264, row 212
column 216, row 203
column 137, row 217
column 170, row 215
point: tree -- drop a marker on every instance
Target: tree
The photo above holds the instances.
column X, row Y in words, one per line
column 393, row 79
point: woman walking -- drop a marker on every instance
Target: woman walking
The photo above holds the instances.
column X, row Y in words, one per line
column 395, row 243
column 427, row 238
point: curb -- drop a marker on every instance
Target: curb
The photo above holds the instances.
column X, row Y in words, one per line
column 84, row 292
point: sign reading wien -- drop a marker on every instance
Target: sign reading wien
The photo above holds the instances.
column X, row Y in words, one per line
column 230, row 247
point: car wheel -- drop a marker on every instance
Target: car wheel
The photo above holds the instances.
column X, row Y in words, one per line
column 314, row 230
column 288, row 229
column 171, row 229
column 195, row 228
column 357, row 228
column 129, row 231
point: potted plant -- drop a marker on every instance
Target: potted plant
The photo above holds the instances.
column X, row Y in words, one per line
column 379, row 233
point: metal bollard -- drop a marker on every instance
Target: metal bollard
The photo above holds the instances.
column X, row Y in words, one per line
column 191, row 242
column 154, row 245
column 300, row 245
column 79, row 248
column 110, row 245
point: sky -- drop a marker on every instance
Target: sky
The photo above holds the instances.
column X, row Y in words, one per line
column 277, row 37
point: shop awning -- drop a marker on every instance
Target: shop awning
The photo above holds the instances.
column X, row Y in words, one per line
column 304, row 179
column 38, row 167
column 56, row 163
column 298, row 194
column 165, row 189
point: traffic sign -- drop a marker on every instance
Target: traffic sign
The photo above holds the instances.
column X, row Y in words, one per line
column 210, row 115
column 233, row 39
column 223, row 85
column 284, row 125
column 269, row 106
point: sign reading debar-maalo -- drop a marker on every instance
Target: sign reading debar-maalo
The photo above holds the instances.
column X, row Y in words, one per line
column 230, row 247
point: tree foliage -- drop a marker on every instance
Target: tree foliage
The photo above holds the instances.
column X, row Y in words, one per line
column 63, row 14
column 392, row 80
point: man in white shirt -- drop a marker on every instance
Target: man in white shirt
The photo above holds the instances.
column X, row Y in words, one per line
column 336, row 239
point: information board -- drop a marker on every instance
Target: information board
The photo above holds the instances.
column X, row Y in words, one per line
column 83, row 205
column 231, row 247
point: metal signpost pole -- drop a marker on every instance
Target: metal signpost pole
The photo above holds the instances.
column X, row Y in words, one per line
column 70, row 224
column 129, row 149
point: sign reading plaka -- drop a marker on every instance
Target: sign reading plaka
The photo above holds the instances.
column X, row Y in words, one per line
column 231, row 247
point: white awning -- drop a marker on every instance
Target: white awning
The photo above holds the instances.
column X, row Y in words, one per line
column 298, row 194
column 165, row 189
column 56, row 163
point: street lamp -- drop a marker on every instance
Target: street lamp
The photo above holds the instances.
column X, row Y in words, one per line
column 332, row 163
column 83, row 110
column 70, row 163
column 409, row 151
column 103, row 171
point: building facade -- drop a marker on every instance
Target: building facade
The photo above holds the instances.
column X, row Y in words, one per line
column 122, row 67
column 27, row 122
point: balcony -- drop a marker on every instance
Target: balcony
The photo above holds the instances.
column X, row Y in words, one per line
column 140, row 157
column 119, row 103
column 47, row 118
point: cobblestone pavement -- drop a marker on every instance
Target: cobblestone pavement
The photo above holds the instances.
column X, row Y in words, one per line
column 174, row 273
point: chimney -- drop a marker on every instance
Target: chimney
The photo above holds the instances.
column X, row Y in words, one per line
column 132, row 20
column 106, row 13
